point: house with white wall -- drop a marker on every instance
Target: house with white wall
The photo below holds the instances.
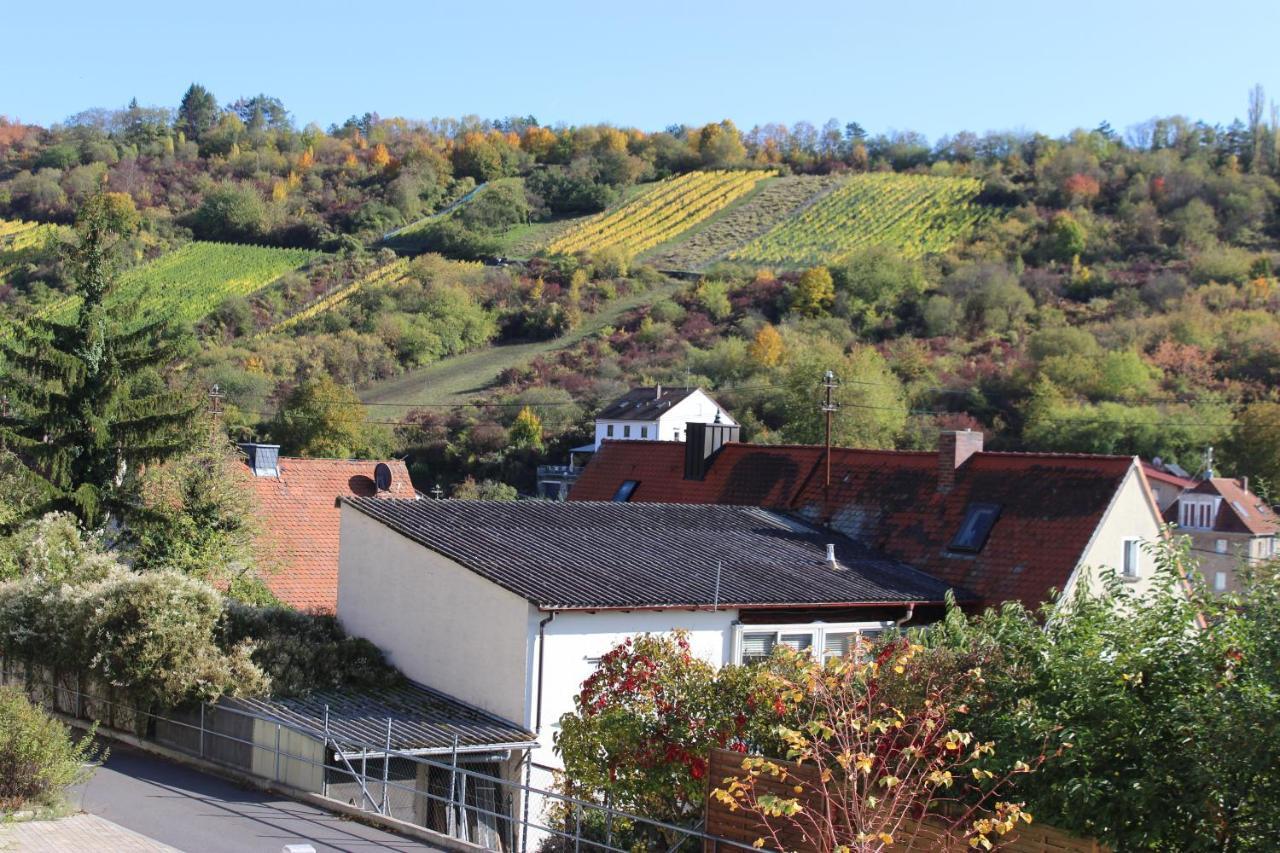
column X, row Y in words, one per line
column 642, row 414
column 509, row 606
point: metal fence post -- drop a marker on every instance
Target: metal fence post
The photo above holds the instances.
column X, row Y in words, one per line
column 386, row 766
column 202, row 730
column 577, row 827
column 277, row 752
column 452, row 822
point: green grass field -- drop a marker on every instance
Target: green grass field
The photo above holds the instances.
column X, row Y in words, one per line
column 914, row 214
column 462, row 378
column 189, row 283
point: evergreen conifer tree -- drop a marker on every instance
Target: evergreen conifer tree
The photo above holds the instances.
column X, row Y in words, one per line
column 86, row 403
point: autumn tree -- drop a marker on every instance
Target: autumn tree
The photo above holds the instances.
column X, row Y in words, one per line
column 1254, row 445
column 91, row 405
column 878, row 756
column 814, row 293
column 526, row 431
column 767, row 347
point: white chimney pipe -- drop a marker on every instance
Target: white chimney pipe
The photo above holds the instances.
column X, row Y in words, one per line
column 831, row 554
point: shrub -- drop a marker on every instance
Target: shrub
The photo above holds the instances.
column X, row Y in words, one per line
column 38, row 758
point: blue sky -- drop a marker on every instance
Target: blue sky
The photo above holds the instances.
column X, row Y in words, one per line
column 931, row 66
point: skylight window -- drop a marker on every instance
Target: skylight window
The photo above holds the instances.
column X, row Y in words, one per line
column 625, row 490
column 976, row 527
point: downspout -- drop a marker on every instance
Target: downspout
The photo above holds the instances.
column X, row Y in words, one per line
column 911, row 611
column 542, row 656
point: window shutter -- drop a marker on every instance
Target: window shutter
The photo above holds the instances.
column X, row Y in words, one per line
column 799, row 642
column 837, row 645
column 757, row 646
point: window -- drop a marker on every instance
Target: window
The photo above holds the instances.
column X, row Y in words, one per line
column 976, row 527
column 608, row 431
column 625, row 491
column 677, row 435
column 1204, row 515
column 820, row 640
column 626, row 431
column 1220, row 546
column 1132, row 551
column 1219, row 581
column 644, row 432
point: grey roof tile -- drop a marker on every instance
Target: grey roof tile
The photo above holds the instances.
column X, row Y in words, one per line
column 620, row 555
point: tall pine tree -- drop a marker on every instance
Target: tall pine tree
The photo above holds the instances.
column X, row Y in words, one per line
column 86, row 404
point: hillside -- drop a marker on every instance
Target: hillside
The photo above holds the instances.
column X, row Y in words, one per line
column 194, row 280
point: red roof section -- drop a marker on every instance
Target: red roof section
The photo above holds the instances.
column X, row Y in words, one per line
column 298, row 543
column 1154, row 473
column 1241, row 511
column 1050, row 504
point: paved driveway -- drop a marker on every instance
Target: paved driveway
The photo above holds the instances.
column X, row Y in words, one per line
column 200, row 813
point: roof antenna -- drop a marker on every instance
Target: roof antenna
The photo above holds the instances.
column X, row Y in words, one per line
column 715, row 600
column 1208, row 462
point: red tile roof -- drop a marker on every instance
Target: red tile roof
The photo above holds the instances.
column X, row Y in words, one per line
column 1051, row 504
column 1241, row 511
column 1154, row 473
column 298, row 544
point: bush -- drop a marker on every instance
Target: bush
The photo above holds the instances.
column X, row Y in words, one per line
column 302, row 652
column 37, row 756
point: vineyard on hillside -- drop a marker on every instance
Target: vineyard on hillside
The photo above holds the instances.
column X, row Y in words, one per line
column 915, row 214
column 189, row 283
column 21, row 241
column 738, row 224
column 659, row 214
column 386, row 273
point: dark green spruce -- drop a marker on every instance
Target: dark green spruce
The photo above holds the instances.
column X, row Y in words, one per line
column 86, row 401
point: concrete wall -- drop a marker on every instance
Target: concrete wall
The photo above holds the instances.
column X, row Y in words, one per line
column 439, row 623
column 301, row 762
column 574, row 640
column 1130, row 516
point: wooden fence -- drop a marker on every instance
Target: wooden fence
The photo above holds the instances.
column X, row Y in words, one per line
column 741, row 827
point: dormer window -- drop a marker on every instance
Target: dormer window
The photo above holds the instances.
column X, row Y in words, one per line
column 979, row 518
column 1197, row 514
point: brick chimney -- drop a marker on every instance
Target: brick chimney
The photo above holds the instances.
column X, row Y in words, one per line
column 954, row 447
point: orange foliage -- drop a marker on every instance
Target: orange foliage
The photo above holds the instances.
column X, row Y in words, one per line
column 538, row 141
column 380, row 157
column 1081, row 188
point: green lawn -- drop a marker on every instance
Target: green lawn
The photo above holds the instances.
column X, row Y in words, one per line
column 461, row 378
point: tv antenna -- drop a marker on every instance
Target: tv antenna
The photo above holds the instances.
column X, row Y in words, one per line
column 829, row 408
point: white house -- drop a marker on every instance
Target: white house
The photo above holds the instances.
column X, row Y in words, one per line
column 642, row 414
column 508, row 606
column 657, row 414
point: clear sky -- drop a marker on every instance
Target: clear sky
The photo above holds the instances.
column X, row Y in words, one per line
column 936, row 66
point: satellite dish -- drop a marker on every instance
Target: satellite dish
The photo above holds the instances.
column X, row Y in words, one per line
column 382, row 476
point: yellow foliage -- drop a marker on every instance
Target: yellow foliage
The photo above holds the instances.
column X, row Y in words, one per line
column 279, row 191
column 768, row 348
column 307, row 160
column 350, row 161
column 380, row 157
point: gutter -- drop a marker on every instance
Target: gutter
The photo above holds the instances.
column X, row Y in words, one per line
column 755, row 605
column 542, row 658
column 911, row 611
column 503, row 750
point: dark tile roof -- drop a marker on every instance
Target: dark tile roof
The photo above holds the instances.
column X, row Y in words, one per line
column 421, row 718
column 621, row 555
column 644, row 404
column 1051, row 504
column 298, row 541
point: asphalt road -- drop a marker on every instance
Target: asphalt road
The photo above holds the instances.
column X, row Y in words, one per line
column 200, row 813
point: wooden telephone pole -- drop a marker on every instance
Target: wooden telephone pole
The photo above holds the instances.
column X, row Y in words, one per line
column 829, row 408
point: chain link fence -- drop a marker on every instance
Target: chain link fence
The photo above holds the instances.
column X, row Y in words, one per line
column 499, row 799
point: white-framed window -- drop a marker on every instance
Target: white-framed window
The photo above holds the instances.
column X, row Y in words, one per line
column 1219, row 581
column 822, row 640
column 644, row 432
column 1220, row 546
column 1132, row 557
column 626, row 431
column 608, row 431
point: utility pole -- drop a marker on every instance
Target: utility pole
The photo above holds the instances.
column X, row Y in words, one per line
column 829, row 408
column 4, row 416
column 1208, row 462
column 215, row 409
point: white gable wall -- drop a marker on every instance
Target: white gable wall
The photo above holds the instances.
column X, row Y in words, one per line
column 575, row 640
column 441, row 624
column 1132, row 515
column 696, row 408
